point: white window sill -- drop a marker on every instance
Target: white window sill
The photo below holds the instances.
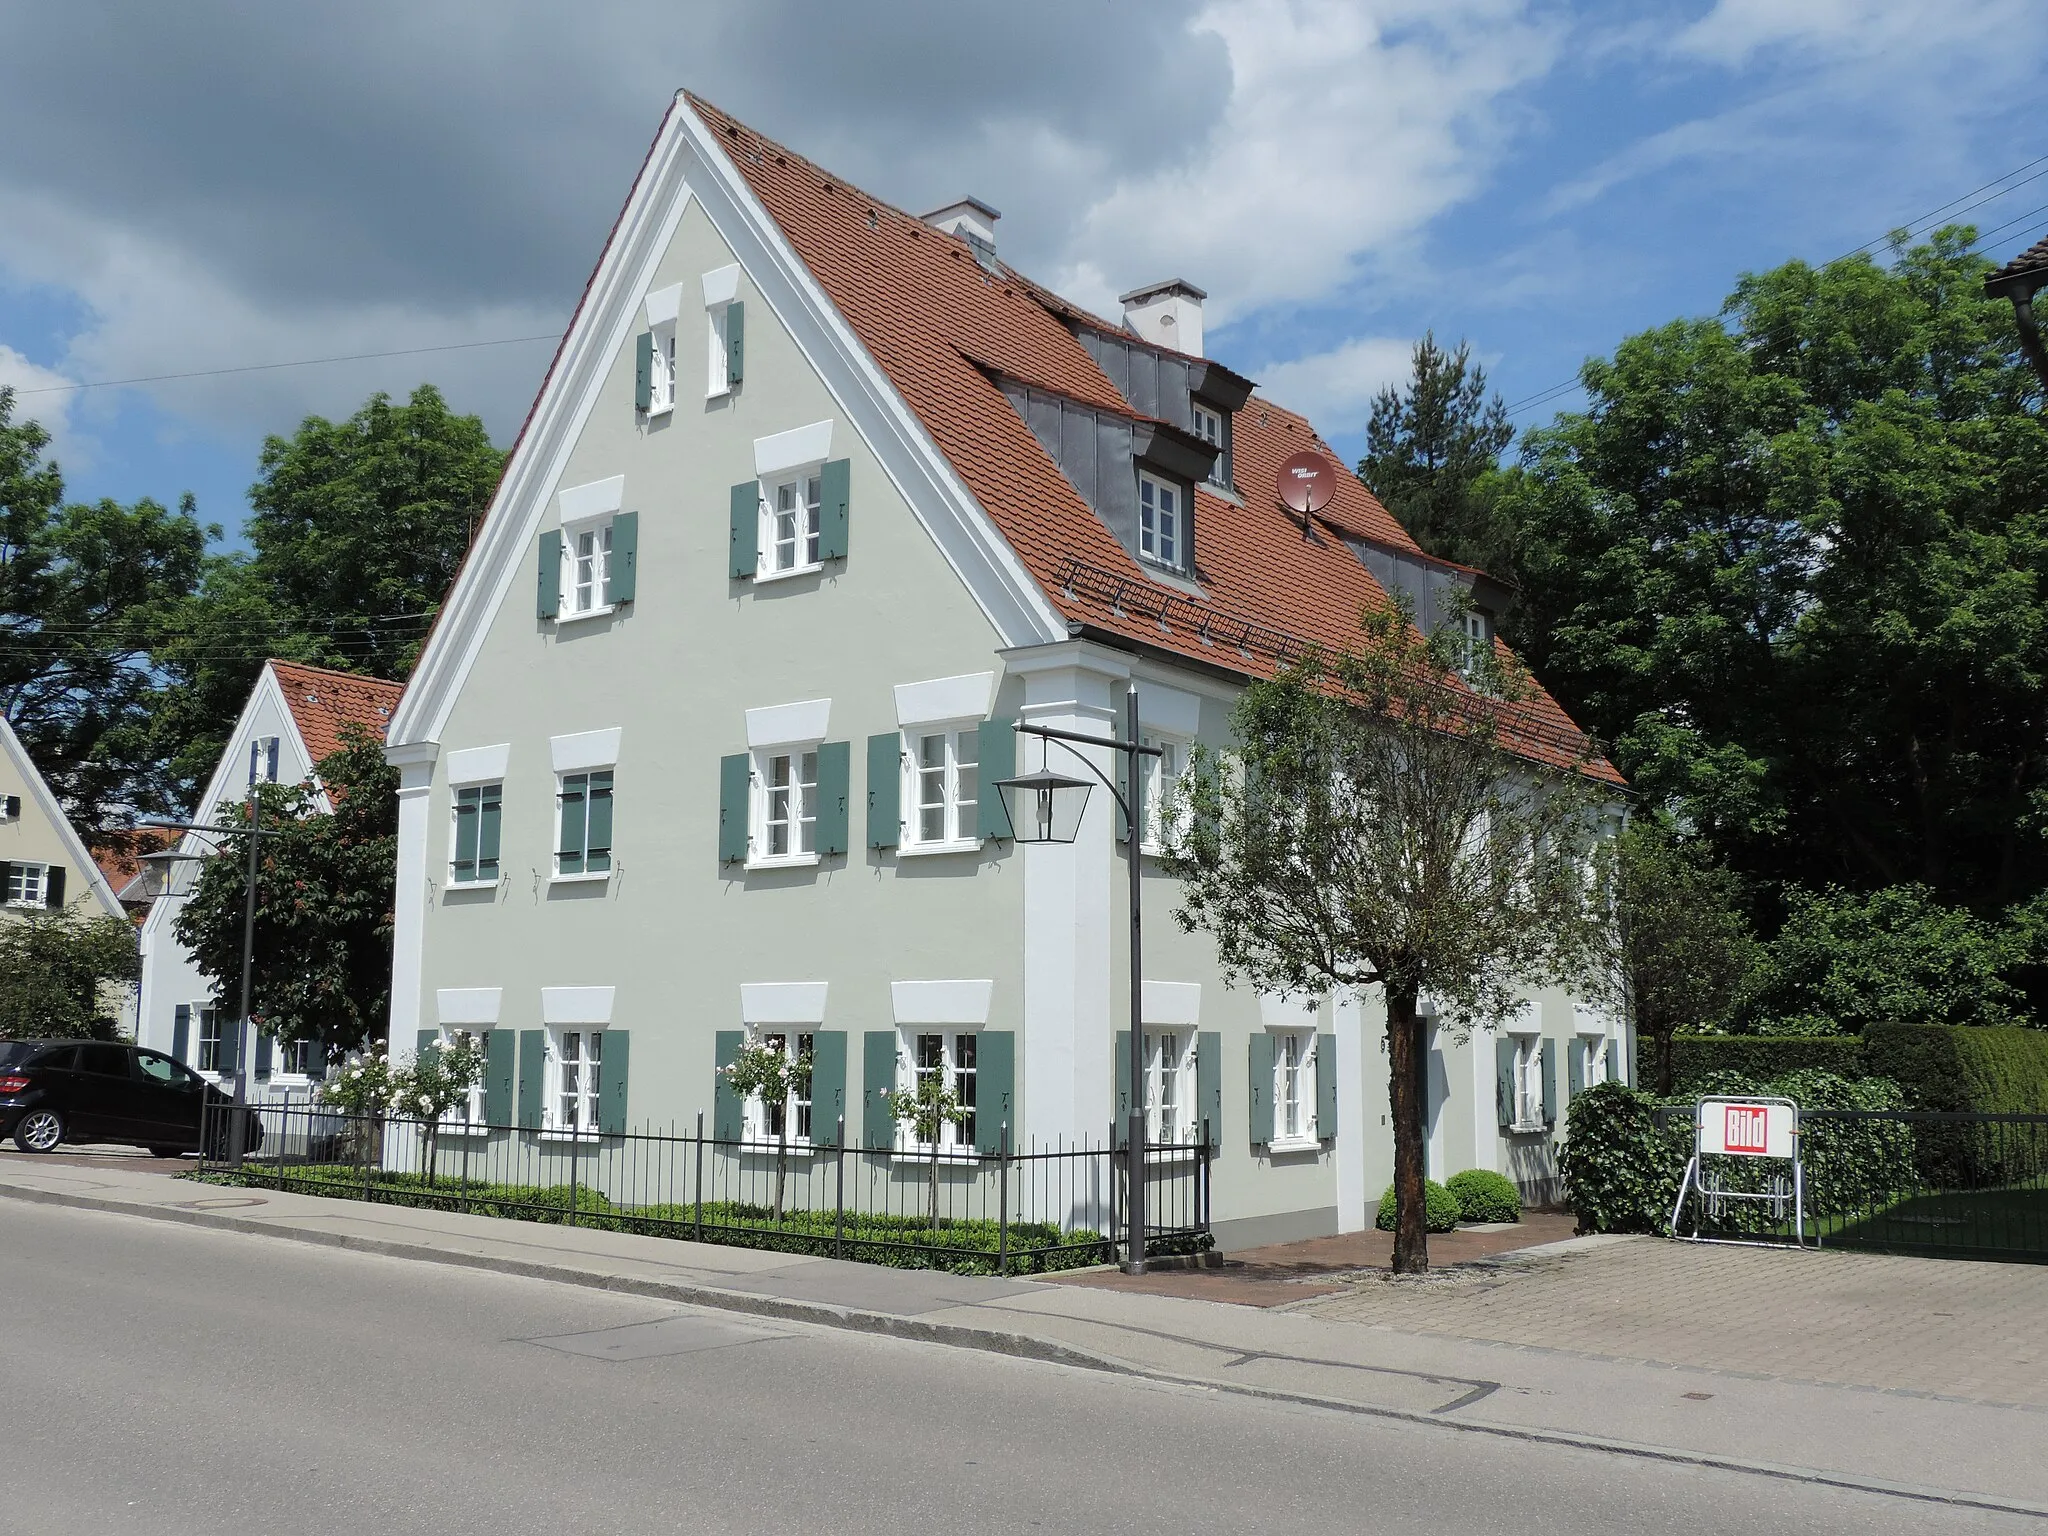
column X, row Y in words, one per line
column 791, row 861
column 290, row 1080
column 473, row 885
column 795, row 570
column 719, row 393
column 580, row 879
column 661, row 410
column 1294, row 1144
column 592, row 1137
column 604, row 610
column 464, row 1128
column 964, row 1155
column 1527, row 1128
column 920, row 850
column 757, row 1144
column 26, row 906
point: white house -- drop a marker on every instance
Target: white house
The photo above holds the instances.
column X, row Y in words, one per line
column 293, row 719
column 817, row 501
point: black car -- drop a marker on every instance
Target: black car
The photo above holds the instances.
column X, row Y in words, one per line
column 54, row 1091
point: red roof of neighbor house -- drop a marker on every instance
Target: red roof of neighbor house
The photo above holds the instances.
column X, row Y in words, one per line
column 323, row 701
column 119, row 861
column 939, row 323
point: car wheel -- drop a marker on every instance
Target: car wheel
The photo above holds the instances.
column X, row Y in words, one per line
column 40, row 1130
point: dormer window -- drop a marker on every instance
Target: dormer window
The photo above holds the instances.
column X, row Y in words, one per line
column 1478, row 640
column 1162, row 521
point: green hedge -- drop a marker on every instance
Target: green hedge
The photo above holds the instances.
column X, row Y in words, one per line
column 1986, row 1070
column 1758, row 1057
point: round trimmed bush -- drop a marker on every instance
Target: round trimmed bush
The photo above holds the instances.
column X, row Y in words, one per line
column 1484, row 1195
column 1439, row 1208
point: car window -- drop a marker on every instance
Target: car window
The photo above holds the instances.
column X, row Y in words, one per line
column 59, row 1060
column 103, row 1060
column 161, row 1069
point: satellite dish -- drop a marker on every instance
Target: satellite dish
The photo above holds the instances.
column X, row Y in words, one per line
column 1307, row 482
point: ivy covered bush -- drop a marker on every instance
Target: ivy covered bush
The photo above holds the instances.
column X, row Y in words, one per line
column 1620, row 1167
column 1439, row 1208
column 1484, row 1195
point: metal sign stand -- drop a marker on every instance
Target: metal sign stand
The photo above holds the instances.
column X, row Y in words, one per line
column 1748, row 1127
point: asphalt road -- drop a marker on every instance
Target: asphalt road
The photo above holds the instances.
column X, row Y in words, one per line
column 164, row 1379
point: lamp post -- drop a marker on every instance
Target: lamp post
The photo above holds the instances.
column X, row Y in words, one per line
column 1046, row 807
column 158, row 876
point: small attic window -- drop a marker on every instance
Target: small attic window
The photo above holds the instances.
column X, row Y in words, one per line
column 1162, row 522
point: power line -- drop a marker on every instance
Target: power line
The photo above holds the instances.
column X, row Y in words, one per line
column 304, row 362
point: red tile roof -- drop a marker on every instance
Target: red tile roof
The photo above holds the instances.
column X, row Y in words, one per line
column 119, row 860
column 937, row 321
column 322, row 702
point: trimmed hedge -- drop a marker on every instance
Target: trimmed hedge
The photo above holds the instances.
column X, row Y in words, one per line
column 1439, row 1208
column 1986, row 1070
column 1484, row 1195
column 1758, row 1057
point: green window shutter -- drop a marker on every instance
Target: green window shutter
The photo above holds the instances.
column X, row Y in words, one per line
column 746, row 529
column 735, row 342
column 574, row 823
column 835, row 789
column 727, row 1120
column 489, row 823
column 1576, row 1051
column 53, row 887
column 181, row 1031
column 533, row 1076
column 733, row 786
column 230, row 1053
column 1550, row 1082
column 1120, row 1125
column 428, row 1040
column 614, row 1066
column 997, row 750
column 1260, row 1065
column 643, row 370
column 833, row 493
column 877, row 1082
column 885, row 789
column 623, row 579
column 5, row 869
column 1326, row 1087
column 995, row 1090
column 828, row 1086
column 264, row 1054
column 468, row 802
column 499, row 1074
column 548, row 600
column 1504, row 1080
column 1209, row 1084
column 598, row 835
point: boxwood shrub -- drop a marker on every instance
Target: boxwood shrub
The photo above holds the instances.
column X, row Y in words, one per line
column 1484, row 1195
column 1439, row 1208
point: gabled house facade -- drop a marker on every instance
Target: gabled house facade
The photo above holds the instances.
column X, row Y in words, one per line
column 44, row 864
column 817, row 501
column 293, row 719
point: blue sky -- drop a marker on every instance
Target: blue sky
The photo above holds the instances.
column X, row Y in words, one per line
column 1539, row 178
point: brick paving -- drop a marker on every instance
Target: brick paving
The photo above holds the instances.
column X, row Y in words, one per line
column 1285, row 1273
column 1945, row 1327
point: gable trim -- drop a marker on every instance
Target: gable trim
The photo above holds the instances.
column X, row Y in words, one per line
column 67, row 835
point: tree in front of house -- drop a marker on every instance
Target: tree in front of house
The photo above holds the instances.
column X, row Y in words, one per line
column 439, row 1081
column 1373, row 828
column 321, row 970
column 764, row 1070
column 59, row 972
column 928, row 1106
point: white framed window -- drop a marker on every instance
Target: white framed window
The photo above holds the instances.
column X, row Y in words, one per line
column 1594, row 1055
column 1528, row 1083
column 1478, row 625
column 263, row 760
column 1159, row 779
column 786, row 805
column 661, row 371
column 28, row 885
column 467, row 1118
column 770, row 1122
column 1210, row 427
column 1294, row 1088
column 212, row 1056
column 586, row 568
column 575, row 1060
column 950, row 1055
column 790, row 506
column 1162, row 521
column 583, row 823
column 294, row 1058
column 944, row 787
column 717, row 379
column 1170, row 1087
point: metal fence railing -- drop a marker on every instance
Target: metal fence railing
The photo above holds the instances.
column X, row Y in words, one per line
column 1941, row 1184
column 1011, row 1211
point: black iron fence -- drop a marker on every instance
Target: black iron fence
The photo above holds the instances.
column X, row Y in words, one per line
column 1948, row 1185
column 1014, row 1211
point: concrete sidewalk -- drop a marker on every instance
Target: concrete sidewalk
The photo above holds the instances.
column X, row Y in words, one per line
column 1962, row 1445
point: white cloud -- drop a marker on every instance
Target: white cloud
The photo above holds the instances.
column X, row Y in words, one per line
column 1900, row 33
column 1335, row 388
column 41, row 396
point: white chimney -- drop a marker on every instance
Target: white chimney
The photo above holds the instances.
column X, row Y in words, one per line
column 971, row 219
column 1168, row 314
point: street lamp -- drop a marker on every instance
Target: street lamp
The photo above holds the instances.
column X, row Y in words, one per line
column 159, row 877
column 1046, row 807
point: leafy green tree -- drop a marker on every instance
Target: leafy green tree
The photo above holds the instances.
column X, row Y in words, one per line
column 59, row 973
column 1372, row 827
column 324, row 889
column 927, row 1106
column 1793, row 562
column 438, row 1081
column 1432, row 456
column 766, row 1071
column 1678, row 945
column 82, row 588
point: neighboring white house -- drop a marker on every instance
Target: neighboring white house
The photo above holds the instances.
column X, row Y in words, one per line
column 817, row 500
column 293, row 719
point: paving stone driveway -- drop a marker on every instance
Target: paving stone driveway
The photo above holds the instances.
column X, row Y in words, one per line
column 1949, row 1328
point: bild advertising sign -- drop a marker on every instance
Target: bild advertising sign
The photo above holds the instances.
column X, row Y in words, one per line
column 1746, row 1128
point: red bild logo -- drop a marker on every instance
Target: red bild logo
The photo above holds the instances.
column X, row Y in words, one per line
column 1747, row 1124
